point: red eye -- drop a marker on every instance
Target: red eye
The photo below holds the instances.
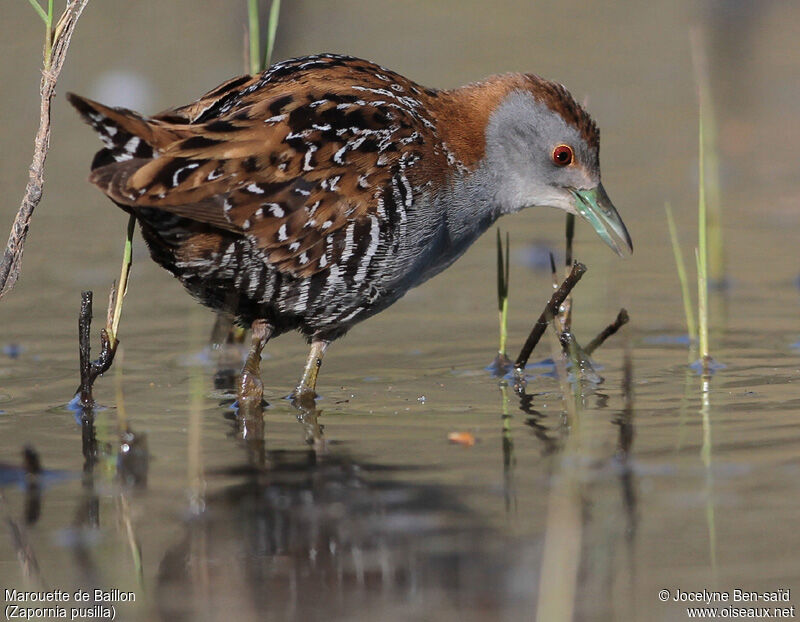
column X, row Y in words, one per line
column 562, row 155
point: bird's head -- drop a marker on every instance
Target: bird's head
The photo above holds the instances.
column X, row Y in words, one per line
column 542, row 148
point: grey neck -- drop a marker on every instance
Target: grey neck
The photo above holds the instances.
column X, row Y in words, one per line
column 444, row 226
column 462, row 211
column 469, row 207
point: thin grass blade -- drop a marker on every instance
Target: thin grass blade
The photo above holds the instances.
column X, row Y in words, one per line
column 716, row 251
column 40, row 11
column 681, row 267
column 272, row 30
column 125, row 270
column 702, row 253
column 702, row 309
column 502, row 289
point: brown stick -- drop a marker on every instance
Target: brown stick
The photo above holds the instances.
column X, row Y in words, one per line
column 622, row 319
column 85, row 347
column 90, row 370
column 550, row 311
column 12, row 258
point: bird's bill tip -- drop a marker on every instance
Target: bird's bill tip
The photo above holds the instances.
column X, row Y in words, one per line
column 594, row 206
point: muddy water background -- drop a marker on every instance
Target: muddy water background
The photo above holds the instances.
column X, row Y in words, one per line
column 385, row 519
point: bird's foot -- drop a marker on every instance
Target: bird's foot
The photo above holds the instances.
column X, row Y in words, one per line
column 251, row 388
column 303, row 397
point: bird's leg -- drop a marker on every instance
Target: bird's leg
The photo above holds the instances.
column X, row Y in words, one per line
column 251, row 389
column 226, row 343
column 306, row 390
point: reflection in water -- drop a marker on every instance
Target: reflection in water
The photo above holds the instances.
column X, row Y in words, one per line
column 128, row 452
column 584, row 533
column 32, row 468
column 87, row 513
column 625, row 448
column 509, row 461
column 30, row 477
column 567, row 510
column 550, row 443
column 705, row 453
column 309, row 533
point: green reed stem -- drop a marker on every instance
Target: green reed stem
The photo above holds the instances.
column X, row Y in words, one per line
column 702, row 255
column 253, row 32
column 502, row 289
column 38, row 8
column 48, row 36
column 716, row 250
column 681, row 267
column 702, row 308
column 503, row 327
column 47, row 18
column 122, row 288
column 272, row 30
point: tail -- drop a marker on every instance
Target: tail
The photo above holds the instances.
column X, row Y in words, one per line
column 132, row 143
column 125, row 133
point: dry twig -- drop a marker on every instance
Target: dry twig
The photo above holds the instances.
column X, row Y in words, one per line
column 550, row 311
column 90, row 369
column 62, row 34
column 622, row 319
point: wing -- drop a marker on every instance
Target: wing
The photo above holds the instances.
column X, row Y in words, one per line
column 288, row 159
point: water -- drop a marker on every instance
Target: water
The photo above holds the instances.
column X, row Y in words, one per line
column 362, row 509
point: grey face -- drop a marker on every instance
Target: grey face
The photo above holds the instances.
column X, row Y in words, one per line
column 521, row 138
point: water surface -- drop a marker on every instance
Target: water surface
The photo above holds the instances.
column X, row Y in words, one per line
column 362, row 509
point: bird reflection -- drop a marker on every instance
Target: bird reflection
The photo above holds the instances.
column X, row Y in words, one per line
column 316, row 532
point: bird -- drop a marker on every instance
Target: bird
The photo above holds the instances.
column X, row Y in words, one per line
column 314, row 195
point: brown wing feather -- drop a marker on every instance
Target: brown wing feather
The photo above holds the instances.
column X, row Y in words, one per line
column 191, row 112
column 286, row 163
